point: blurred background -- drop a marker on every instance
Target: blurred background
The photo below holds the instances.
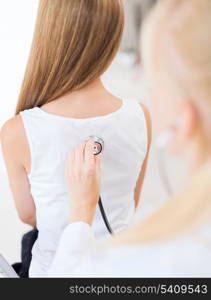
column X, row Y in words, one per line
column 125, row 78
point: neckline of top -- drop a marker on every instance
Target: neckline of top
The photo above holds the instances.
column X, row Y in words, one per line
column 51, row 115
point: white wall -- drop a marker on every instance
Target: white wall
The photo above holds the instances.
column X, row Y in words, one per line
column 16, row 27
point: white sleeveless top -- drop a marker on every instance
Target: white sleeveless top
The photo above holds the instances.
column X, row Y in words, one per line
column 51, row 138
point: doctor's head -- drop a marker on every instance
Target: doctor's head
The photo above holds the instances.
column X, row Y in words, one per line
column 177, row 54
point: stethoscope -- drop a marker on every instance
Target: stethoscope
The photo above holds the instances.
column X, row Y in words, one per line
column 98, row 148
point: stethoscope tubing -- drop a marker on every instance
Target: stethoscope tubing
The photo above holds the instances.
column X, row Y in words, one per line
column 99, row 147
column 105, row 219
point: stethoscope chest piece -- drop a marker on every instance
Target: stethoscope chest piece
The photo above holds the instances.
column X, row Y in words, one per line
column 98, row 145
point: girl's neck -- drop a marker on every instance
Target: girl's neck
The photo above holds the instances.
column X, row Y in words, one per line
column 94, row 86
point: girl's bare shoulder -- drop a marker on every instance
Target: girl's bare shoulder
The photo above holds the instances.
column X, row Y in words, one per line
column 12, row 130
column 13, row 139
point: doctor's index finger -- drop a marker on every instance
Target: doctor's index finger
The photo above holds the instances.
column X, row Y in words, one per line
column 98, row 159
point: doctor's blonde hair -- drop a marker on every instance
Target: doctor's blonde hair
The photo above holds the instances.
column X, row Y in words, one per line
column 176, row 42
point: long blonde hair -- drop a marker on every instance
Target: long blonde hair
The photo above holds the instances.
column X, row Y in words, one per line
column 74, row 43
column 182, row 26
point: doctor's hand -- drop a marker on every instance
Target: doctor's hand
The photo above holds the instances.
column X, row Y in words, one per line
column 83, row 177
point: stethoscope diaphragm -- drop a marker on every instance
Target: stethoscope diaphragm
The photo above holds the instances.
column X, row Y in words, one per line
column 98, row 144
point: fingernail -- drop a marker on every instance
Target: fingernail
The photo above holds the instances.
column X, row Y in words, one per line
column 91, row 141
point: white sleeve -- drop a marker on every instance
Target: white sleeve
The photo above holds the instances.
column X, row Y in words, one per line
column 76, row 242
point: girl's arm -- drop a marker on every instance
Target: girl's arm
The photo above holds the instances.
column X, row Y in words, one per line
column 141, row 177
column 17, row 157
